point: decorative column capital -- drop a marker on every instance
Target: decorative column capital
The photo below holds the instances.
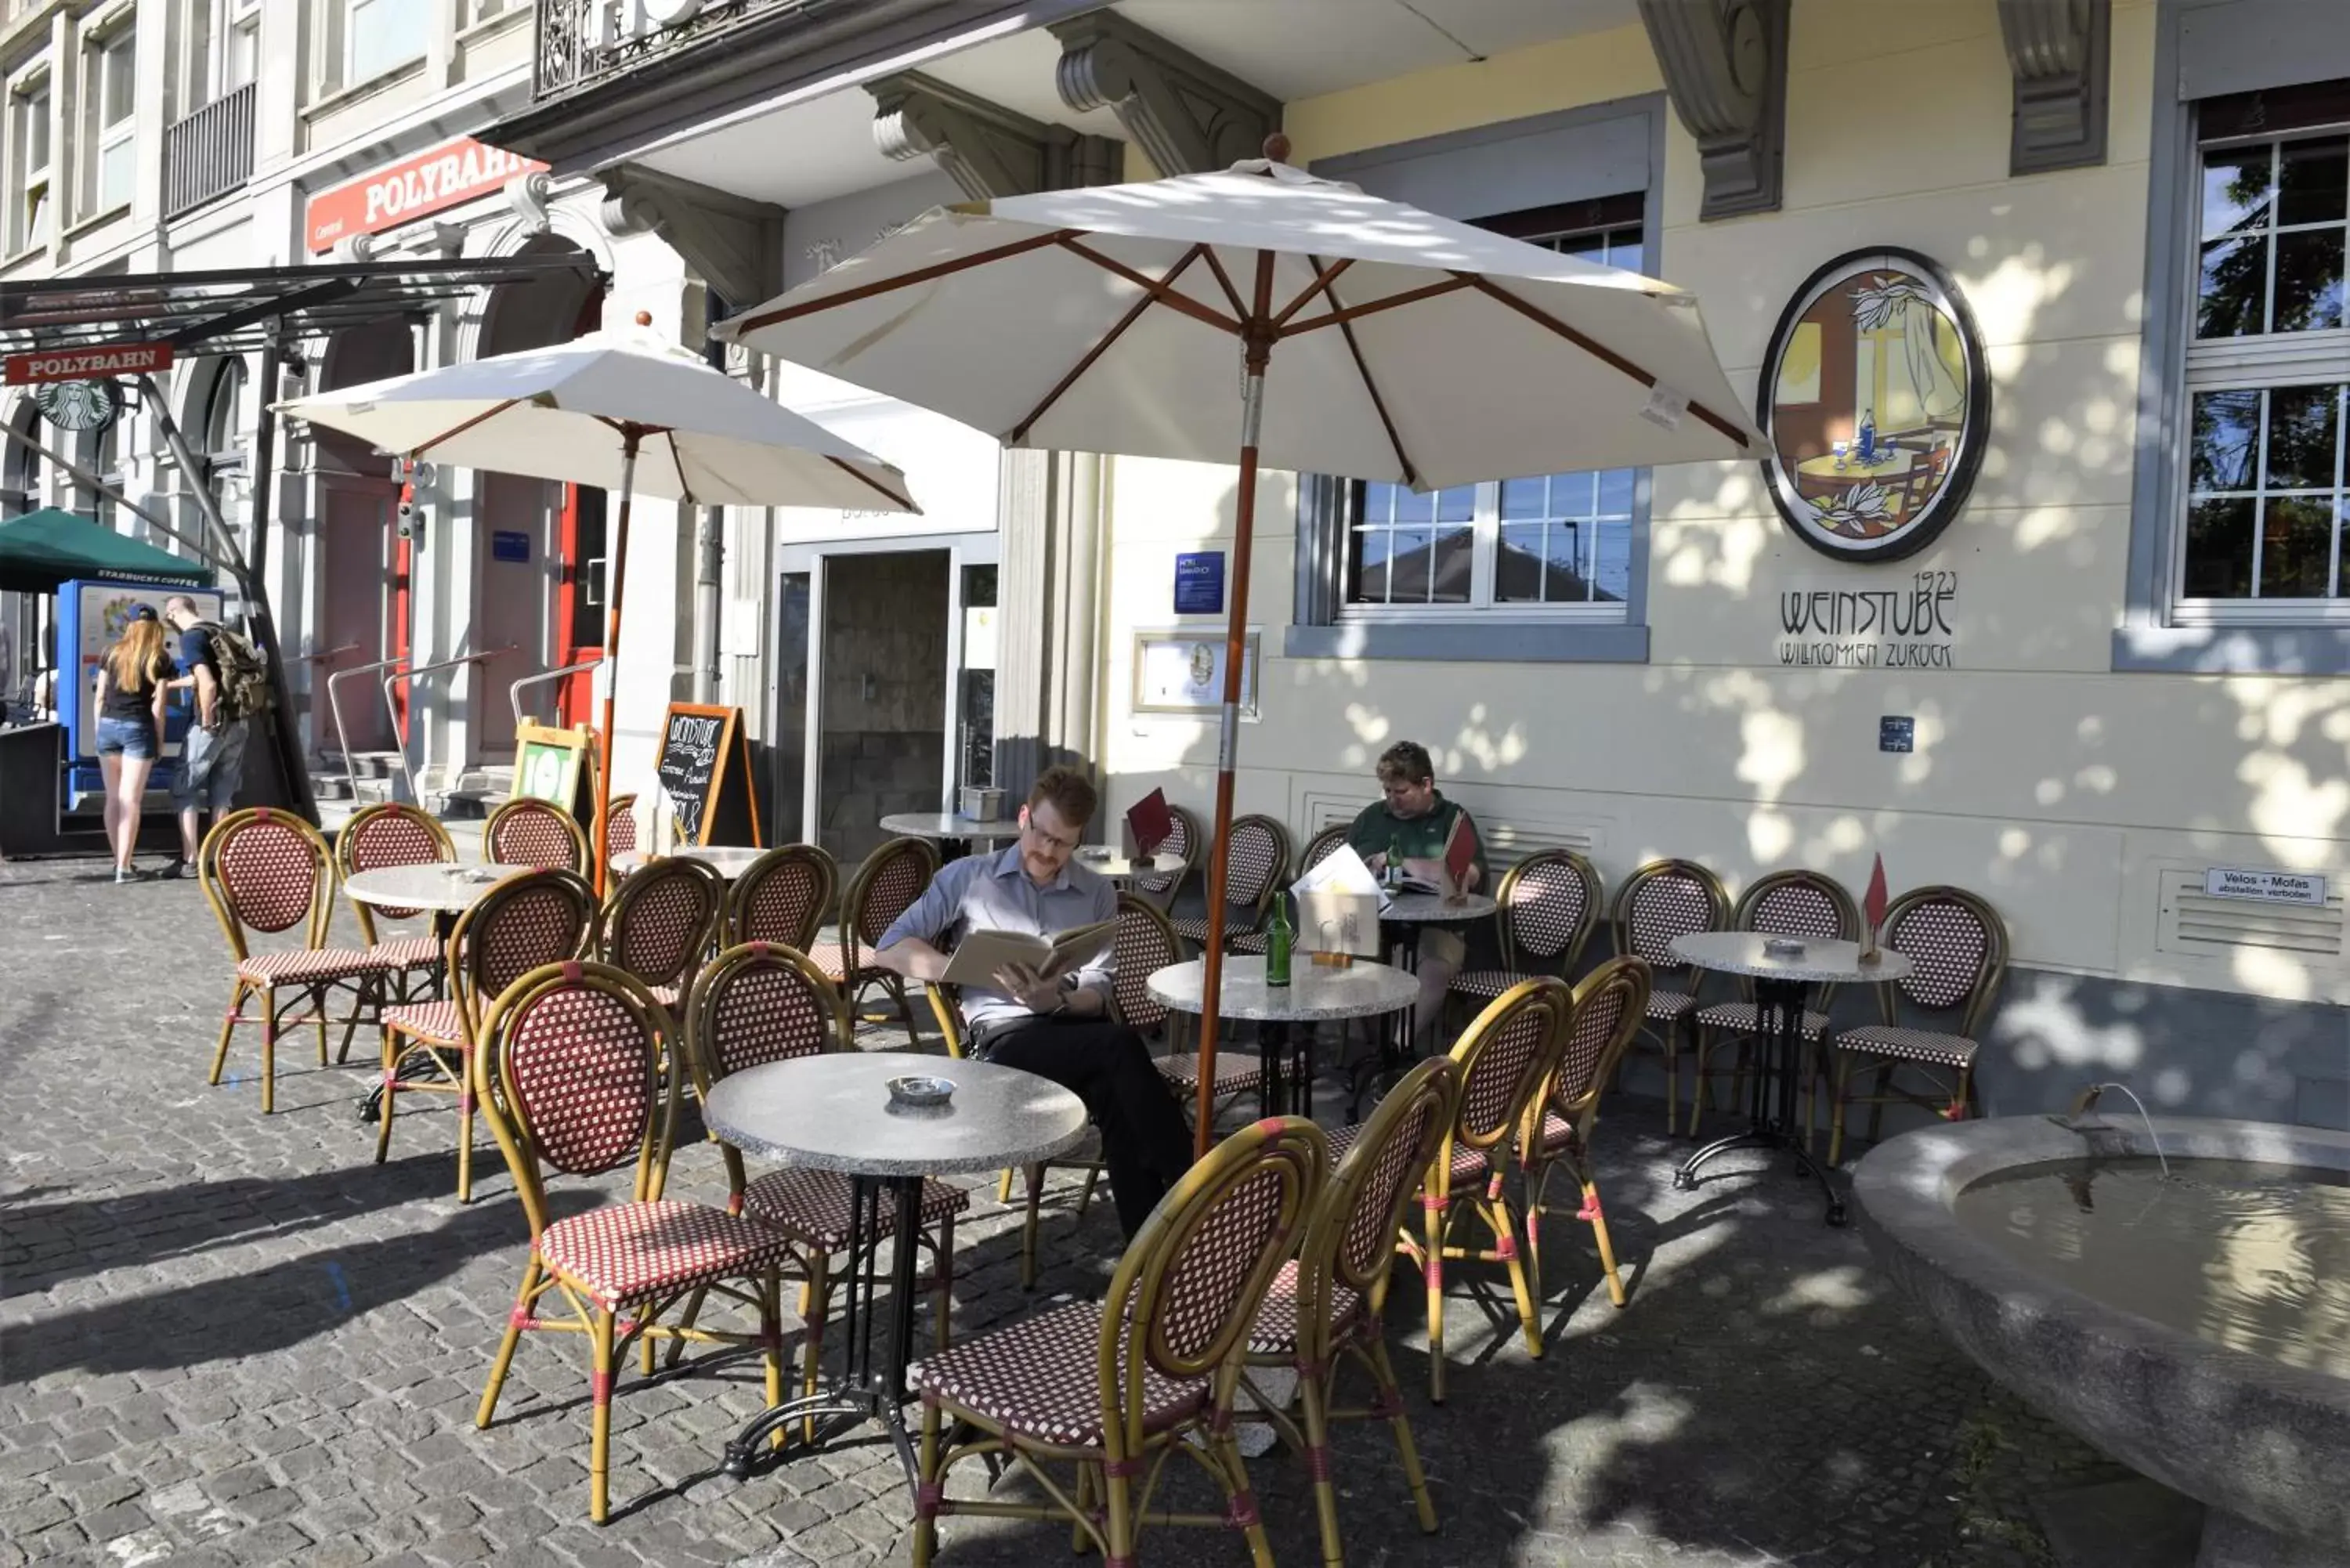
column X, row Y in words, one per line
column 1188, row 116
column 1725, row 68
column 987, row 149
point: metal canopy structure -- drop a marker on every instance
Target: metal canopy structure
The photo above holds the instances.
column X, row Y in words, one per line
column 246, row 309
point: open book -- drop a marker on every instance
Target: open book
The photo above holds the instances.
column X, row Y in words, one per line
column 981, row 953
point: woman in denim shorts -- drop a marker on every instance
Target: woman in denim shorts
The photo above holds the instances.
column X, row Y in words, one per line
column 131, row 682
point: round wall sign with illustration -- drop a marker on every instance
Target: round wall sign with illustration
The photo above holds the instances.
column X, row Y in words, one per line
column 77, row 405
column 1876, row 401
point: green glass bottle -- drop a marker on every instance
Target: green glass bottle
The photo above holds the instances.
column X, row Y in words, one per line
column 1279, row 938
column 1394, row 863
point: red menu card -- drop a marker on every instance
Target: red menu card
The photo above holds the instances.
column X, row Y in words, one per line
column 1151, row 822
column 1460, row 848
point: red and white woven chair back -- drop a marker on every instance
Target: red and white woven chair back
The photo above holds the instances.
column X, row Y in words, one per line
column 1547, row 901
column 531, row 919
column 1671, row 900
column 1253, row 853
column 622, row 833
column 1609, row 1009
column 1953, row 951
column 1392, row 1154
column 1800, row 904
column 657, row 925
column 1214, row 1243
column 1503, row 1058
column 1180, row 840
column 759, row 1004
column 387, row 835
column 894, row 877
column 782, row 898
column 579, row 1061
column 271, row 868
column 532, row 832
column 1144, row 946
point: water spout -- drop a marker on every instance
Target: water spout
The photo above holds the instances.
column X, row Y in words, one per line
column 2072, row 1120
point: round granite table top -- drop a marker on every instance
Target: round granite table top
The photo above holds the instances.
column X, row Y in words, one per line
column 729, row 860
column 1316, row 991
column 833, row 1112
column 1824, row 961
column 1435, row 908
column 944, row 824
column 446, row 886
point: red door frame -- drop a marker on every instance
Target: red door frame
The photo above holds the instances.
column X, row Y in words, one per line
column 575, row 694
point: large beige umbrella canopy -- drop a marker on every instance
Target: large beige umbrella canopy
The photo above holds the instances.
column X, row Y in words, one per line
column 623, row 409
column 1349, row 335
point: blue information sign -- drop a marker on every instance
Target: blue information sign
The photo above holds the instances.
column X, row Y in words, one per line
column 1896, row 733
column 1200, row 583
column 509, row 545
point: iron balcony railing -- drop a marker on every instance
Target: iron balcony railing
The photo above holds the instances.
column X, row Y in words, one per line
column 209, row 154
column 581, row 41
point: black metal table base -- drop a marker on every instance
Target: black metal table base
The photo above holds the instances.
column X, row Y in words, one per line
column 1770, row 1100
column 1285, row 1063
column 862, row 1393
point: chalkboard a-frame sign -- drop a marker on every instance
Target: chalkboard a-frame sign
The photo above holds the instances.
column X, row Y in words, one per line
column 705, row 766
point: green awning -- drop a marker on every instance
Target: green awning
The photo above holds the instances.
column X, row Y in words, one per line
column 44, row 548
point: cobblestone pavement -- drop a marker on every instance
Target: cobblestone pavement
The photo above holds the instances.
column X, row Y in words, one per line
column 233, row 1339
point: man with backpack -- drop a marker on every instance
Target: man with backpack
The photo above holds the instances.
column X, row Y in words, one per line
column 231, row 686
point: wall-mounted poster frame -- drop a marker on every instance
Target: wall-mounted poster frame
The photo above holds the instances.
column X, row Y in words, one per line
column 1182, row 670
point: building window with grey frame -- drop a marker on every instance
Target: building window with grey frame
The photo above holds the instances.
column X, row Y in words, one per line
column 361, row 40
column 2241, row 496
column 1528, row 567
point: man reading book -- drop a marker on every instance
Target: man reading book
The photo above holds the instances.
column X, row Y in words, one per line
column 1413, row 820
column 1057, row 1026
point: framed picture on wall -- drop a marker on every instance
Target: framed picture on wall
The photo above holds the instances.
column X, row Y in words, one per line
column 1178, row 670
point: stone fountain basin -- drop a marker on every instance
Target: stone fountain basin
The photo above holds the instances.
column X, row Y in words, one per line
column 2265, row 1444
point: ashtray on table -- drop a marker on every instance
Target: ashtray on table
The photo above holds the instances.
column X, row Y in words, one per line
column 1783, row 948
column 920, row 1091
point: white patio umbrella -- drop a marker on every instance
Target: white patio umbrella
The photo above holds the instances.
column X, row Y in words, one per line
column 1351, row 336
column 623, row 409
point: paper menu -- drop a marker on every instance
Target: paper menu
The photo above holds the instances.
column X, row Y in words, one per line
column 1341, row 871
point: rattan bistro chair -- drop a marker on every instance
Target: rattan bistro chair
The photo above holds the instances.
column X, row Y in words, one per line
column 756, row 1004
column 1783, row 904
column 880, row 891
column 530, row 920
column 392, row 833
column 1609, row 1007
column 659, row 925
column 1146, row 944
column 1116, row 1388
column 1184, row 841
column 1661, row 900
column 1256, row 852
column 266, row 872
column 571, row 1078
column 1549, row 903
column 531, row 832
column 1330, row 1303
column 782, row 899
column 1503, row 1059
column 1319, row 848
column 622, row 836
column 1956, row 945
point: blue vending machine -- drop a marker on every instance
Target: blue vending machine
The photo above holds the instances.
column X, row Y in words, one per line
column 90, row 616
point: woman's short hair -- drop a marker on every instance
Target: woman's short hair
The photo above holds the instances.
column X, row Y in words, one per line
column 1405, row 762
column 1072, row 793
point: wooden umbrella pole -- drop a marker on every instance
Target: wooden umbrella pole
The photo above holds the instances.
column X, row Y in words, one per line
column 1256, row 337
column 630, row 435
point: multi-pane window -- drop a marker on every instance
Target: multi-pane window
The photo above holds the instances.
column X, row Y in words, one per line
column 110, row 99
column 359, row 40
column 28, row 173
column 222, row 49
column 1559, row 543
column 2268, row 362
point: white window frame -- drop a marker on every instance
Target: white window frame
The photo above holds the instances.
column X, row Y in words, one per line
column 336, row 70
column 23, row 234
column 225, row 59
column 100, row 136
column 2246, row 363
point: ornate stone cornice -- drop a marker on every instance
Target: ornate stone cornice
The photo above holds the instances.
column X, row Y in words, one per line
column 733, row 244
column 1188, row 116
column 987, row 148
column 2057, row 50
column 1725, row 68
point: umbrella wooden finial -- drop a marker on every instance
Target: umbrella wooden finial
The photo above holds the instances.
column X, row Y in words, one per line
column 1276, row 148
column 644, row 318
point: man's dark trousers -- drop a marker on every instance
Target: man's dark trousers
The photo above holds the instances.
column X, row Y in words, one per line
column 1145, row 1141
